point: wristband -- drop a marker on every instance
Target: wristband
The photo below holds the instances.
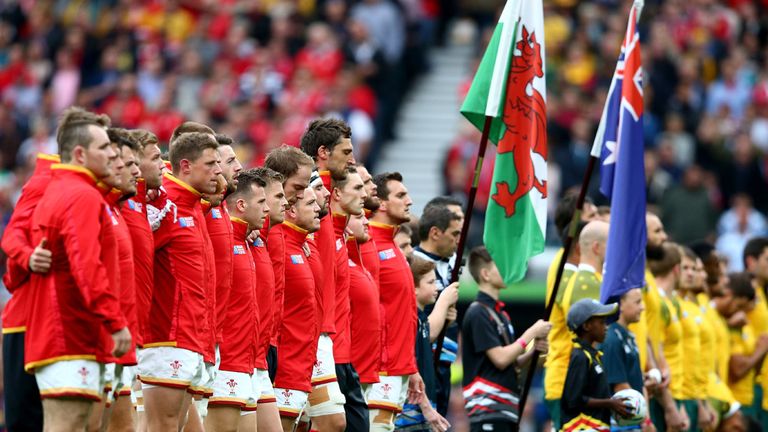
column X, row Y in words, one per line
column 522, row 343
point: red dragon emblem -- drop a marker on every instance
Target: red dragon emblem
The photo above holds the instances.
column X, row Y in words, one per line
column 525, row 120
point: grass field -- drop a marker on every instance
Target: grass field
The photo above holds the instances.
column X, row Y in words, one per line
column 531, row 291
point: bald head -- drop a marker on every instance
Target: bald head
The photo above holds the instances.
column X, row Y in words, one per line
column 592, row 240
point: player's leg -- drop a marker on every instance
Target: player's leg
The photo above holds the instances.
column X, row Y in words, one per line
column 222, row 419
column 267, row 414
column 192, row 421
column 137, row 397
column 385, row 400
column 23, row 408
column 326, row 401
column 69, row 389
column 65, row 415
column 122, row 417
column 232, row 391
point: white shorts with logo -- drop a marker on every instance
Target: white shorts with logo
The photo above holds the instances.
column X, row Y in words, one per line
column 83, row 379
column 234, row 389
column 172, row 367
column 388, row 394
column 326, row 397
column 290, row 403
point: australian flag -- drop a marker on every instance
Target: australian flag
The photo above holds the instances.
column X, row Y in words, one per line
column 619, row 145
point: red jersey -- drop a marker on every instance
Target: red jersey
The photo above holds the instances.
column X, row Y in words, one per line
column 398, row 295
column 326, row 242
column 220, row 231
column 342, row 340
column 299, row 329
column 265, row 295
column 127, row 288
column 276, row 248
column 241, row 323
column 316, row 264
column 73, row 309
column 184, row 275
column 18, row 247
column 365, row 320
column 370, row 255
column 134, row 212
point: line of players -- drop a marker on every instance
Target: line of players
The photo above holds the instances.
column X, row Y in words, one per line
column 207, row 296
column 701, row 337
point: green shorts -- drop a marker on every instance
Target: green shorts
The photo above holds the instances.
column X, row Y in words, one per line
column 553, row 406
column 692, row 409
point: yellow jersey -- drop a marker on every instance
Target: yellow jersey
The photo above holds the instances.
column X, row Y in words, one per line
column 722, row 343
column 671, row 337
column 695, row 376
column 560, row 341
column 743, row 343
column 648, row 323
column 708, row 337
column 757, row 320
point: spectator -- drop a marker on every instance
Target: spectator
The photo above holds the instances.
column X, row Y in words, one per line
column 735, row 227
column 687, row 212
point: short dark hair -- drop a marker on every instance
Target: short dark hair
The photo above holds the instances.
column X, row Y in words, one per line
column 287, row 160
column 439, row 217
column 442, row 201
column 190, row 146
column 754, row 248
column 188, row 127
column 269, row 175
column 740, row 285
column 327, row 132
column 144, row 138
column 565, row 209
column 405, row 229
column 479, row 258
column 420, row 268
column 381, row 180
column 688, row 253
column 245, row 181
column 340, row 181
column 73, row 129
column 670, row 258
column 123, row 138
column 223, row 139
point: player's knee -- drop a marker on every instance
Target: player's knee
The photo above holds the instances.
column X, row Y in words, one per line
column 382, row 420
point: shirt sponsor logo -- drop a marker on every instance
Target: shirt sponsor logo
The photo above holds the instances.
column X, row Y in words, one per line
column 386, row 254
column 339, row 244
column 133, row 205
column 239, row 250
column 186, row 222
column 216, row 213
column 297, row 259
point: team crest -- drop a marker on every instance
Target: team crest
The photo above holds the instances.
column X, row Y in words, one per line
column 232, row 384
column 83, row 372
column 286, row 396
column 385, row 389
column 186, row 222
column 175, row 365
column 386, row 254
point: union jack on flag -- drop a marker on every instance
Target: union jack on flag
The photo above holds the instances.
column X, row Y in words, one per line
column 619, row 145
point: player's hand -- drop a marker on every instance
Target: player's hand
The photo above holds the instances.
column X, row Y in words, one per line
column 541, row 329
column 252, row 236
column 648, row 427
column 122, row 342
column 40, row 259
column 619, row 407
column 738, row 319
column 415, row 388
column 450, row 295
column 437, row 422
column 451, row 314
column 706, row 421
column 541, row 345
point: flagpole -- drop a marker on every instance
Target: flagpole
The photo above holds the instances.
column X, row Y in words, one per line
column 455, row 272
column 567, row 245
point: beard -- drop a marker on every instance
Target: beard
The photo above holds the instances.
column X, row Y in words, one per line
column 371, row 204
column 324, row 211
column 654, row 253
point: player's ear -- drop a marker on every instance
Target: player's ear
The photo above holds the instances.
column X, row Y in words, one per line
column 323, row 153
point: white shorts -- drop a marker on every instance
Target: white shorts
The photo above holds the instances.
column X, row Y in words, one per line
column 324, row 370
column 263, row 391
column 233, row 389
column 290, row 403
column 172, row 367
column 387, row 394
column 82, row 379
column 127, row 379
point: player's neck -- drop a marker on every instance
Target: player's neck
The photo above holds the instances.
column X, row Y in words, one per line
column 489, row 289
column 429, row 247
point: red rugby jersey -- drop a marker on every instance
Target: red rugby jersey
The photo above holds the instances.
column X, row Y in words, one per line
column 370, row 254
column 265, row 295
column 127, row 287
column 299, row 328
column 316, row 264
column 220, row 231
column 398, row 295
column 134, row 212
column 73, row 309
column 241, row 322
column 18, row 247
column 365, row 320
column 184, row 275
column 342, row 340
column 276, row 248
column 326, row 243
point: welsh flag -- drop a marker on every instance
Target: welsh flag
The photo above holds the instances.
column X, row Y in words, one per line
column 509, row 88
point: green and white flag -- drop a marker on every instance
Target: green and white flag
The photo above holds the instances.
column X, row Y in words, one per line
column 509, row 87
